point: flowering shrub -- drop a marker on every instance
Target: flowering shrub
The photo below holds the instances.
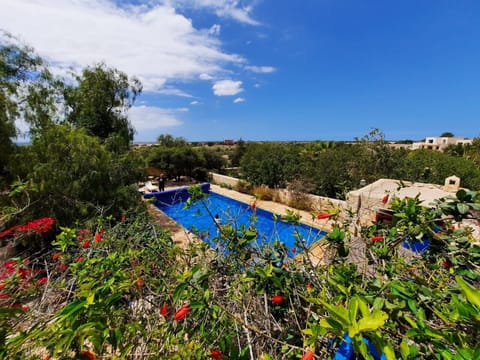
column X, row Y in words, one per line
column 135, row 294
column 19, row 233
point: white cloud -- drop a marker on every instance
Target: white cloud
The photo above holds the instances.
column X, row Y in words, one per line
column 223, row 8
column 261, row 69
column 239, row 100
column 227, row 87
column 214, row 30
column 154, row 43
column 205, row 77
column 195, row 102
column 175, row 92
column 153, row 118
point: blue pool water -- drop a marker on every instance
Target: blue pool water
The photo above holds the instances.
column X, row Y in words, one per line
column 234, row 213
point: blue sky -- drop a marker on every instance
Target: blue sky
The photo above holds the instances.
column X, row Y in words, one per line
column 274, row 69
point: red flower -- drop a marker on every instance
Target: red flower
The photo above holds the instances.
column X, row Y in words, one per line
column 88, row 354
column 2, row 286
column 377, row 238
column 23, row 273
column 56, row 256
column 182, row 312
column 253, row 205
column 79, row 259
column 98, row 237
column 309, row 287
column 309, row 354
column 4, row 295
column 447, row 264
column 9, row 231
column 215, row 354
column 86, row 244
column 277, row 299
column 10, row 264
column 385, row 199
column 139, row 282
column 42, row 280
column 39, row 226
column 322, row 216
column 63, row 266
column 123, row 217
column 164, row 310
column 294, row 250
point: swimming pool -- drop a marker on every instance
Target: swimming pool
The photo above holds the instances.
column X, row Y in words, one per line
column 234, row 213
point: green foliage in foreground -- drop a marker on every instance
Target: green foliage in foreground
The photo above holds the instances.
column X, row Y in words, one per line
column 123, row 289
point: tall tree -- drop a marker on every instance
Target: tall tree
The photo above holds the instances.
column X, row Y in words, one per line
column 168, row 140
column 25, row 92
column 473, row 151
column 270, row 164
column 72, row 176
column 240, row 149
column 99, row 103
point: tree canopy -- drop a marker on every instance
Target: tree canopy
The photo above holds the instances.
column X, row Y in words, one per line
column 447, row 134
column 100, row 101
column 25, row 92
column 71, row 176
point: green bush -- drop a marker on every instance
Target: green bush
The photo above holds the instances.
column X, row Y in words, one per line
column 121, row 288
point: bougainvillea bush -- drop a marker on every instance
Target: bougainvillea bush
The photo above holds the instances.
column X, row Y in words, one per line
column 121, row 288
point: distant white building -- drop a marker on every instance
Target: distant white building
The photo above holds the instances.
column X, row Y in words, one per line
column 440, row 143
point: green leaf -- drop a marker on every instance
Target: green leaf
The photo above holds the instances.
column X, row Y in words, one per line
column 178, row 291
column 378, row 303
column 404, row 350
column 373, row 322
column 90, row 298
column 461, row 194
column 339, row 286
column 339, row 313
column 353, row 309
column 364, row 308
column 472, row 294
column 412, row 304
column 71, row 308
column 411, row 321
column 388, row 351
column 331, row 324
column 462, row 208
column 434, row 334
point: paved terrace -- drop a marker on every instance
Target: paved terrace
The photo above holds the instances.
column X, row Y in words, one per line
column 182, row 237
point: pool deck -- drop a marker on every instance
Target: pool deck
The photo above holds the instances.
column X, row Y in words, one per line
column 182, row 237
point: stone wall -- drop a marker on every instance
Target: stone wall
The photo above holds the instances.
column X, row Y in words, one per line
column 224, row 180
column 319, row 203
column 284, row 196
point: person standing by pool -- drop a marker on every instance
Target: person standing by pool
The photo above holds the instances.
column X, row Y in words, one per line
column 161, row 183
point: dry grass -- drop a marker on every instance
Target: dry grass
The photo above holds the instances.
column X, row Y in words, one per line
column 263, row 193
